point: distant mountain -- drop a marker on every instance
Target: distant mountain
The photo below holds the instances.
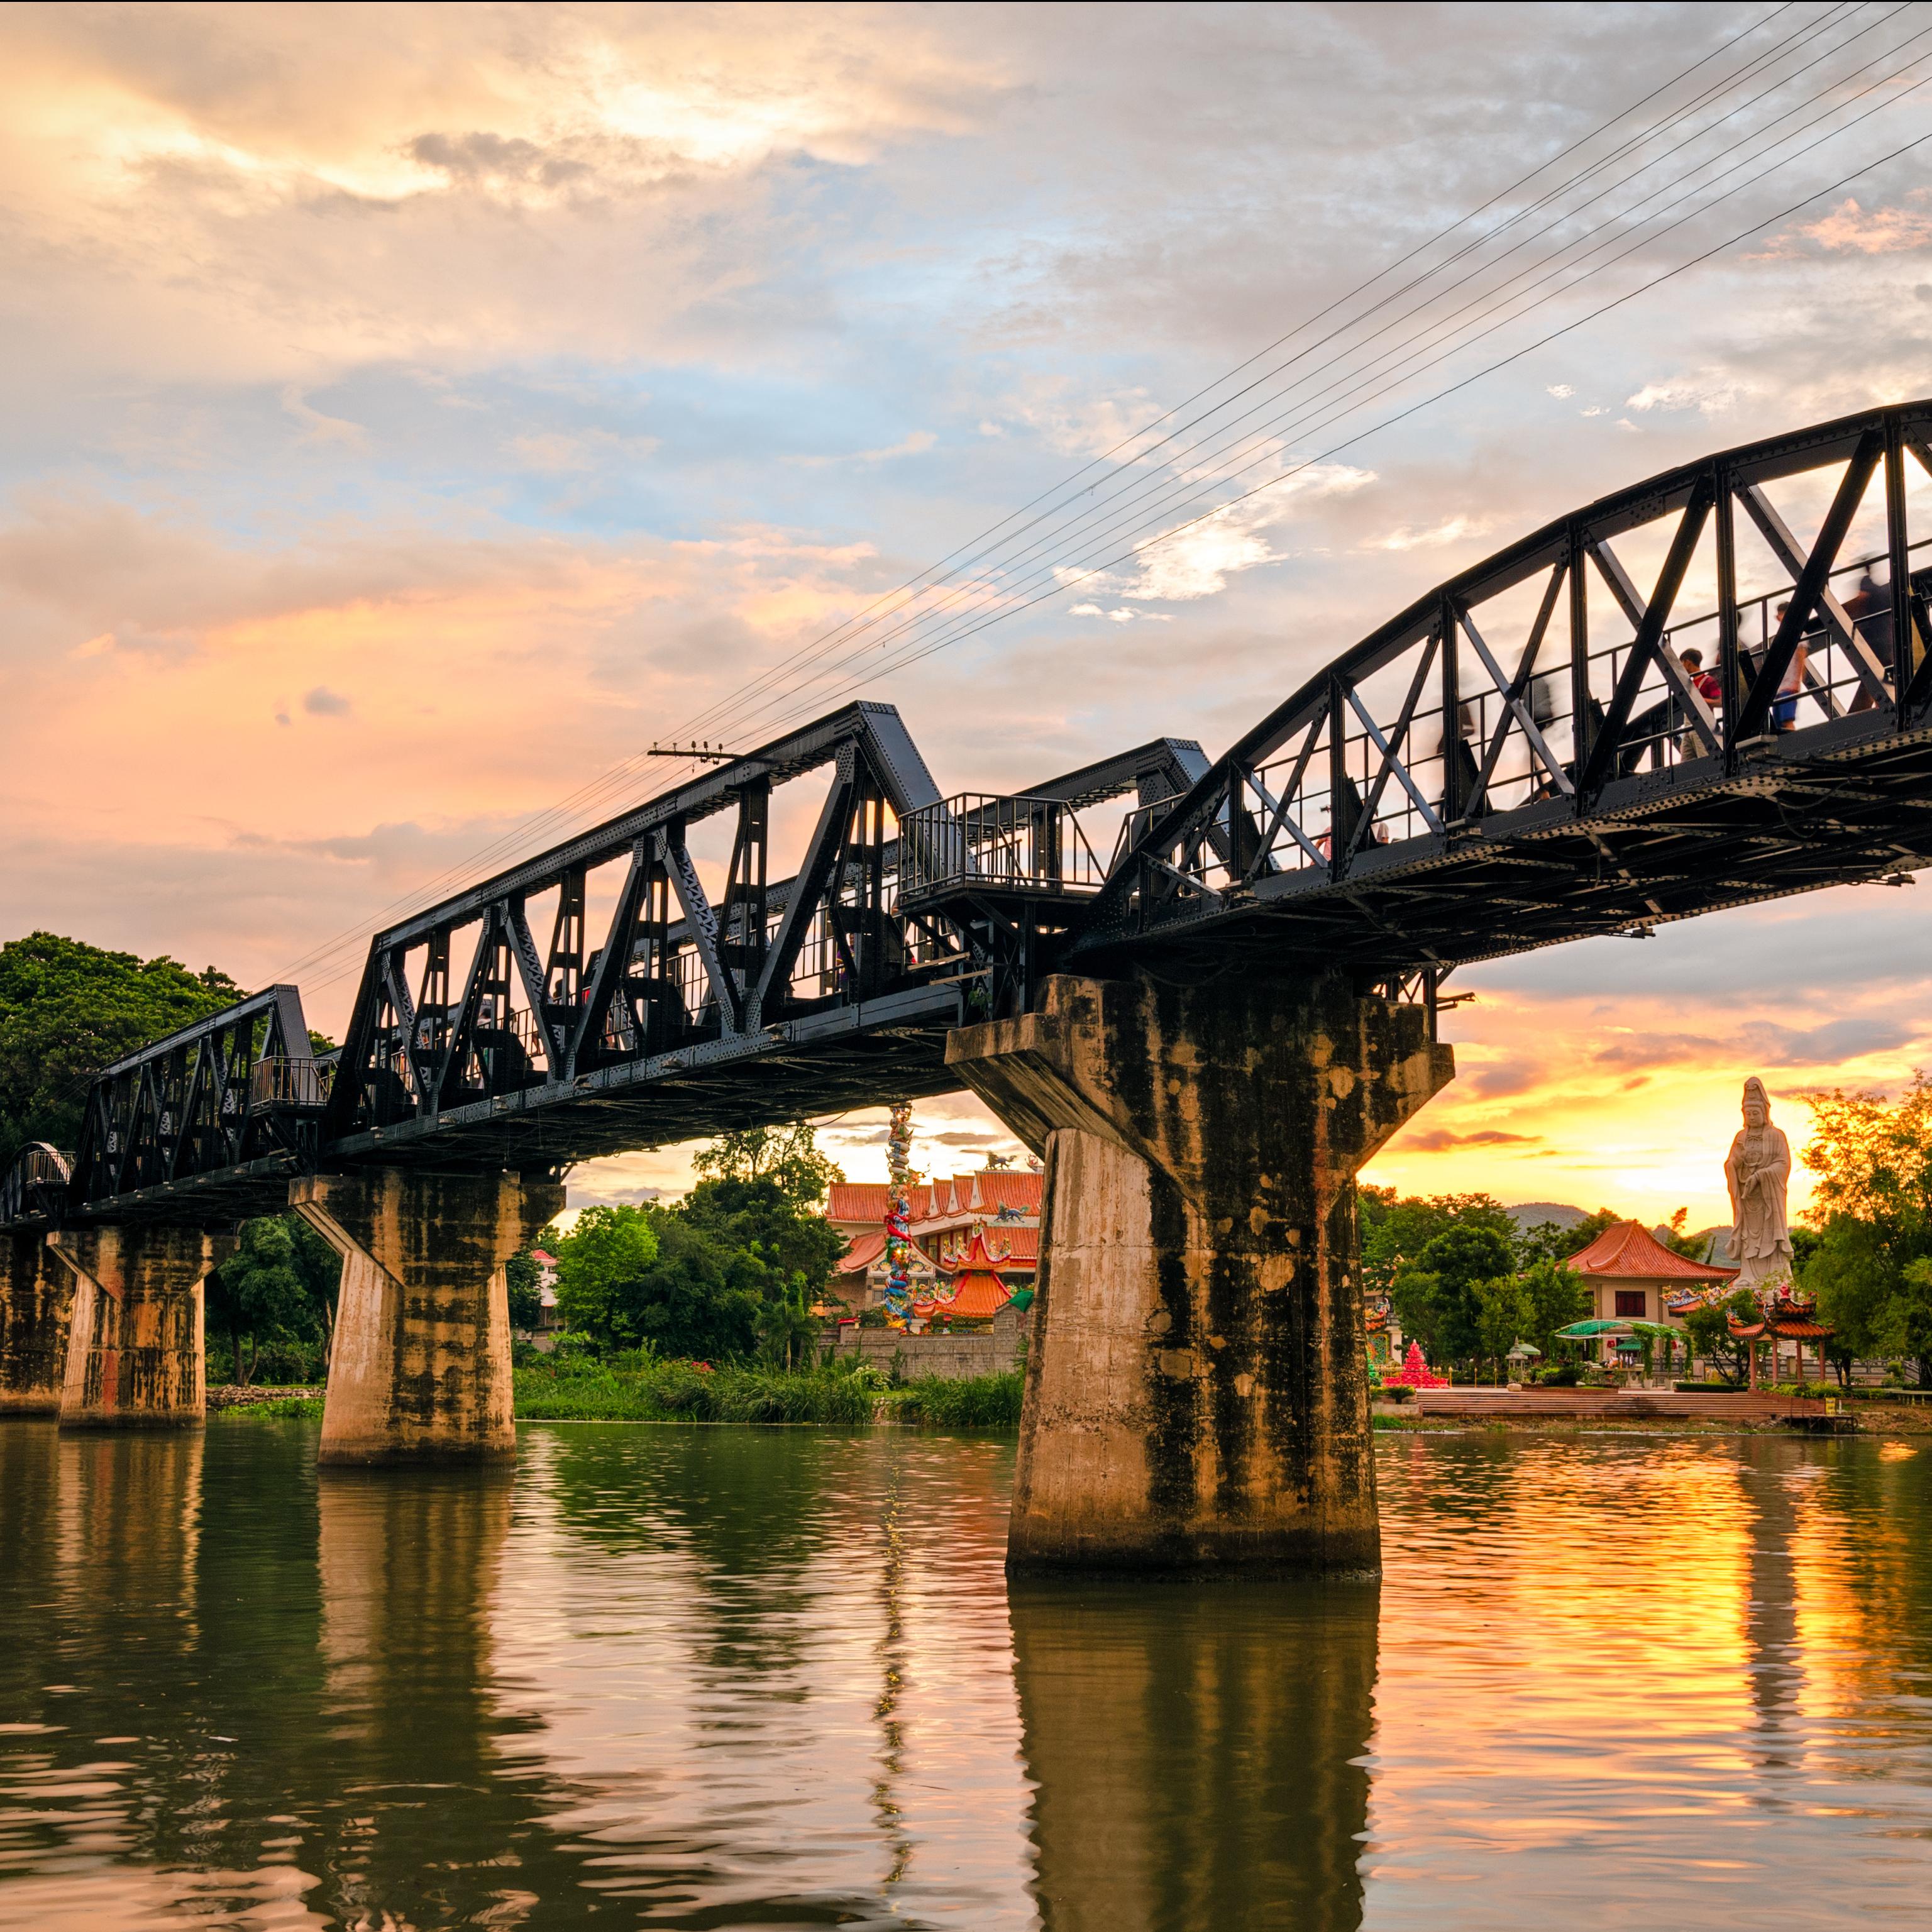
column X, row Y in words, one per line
column 1533, row 1213
column 1720, row 1240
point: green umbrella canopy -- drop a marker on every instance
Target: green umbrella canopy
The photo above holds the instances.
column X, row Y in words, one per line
column 1522, row 1352
column 1586, row 1328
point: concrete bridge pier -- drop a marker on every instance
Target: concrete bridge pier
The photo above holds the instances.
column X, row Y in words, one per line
column 134, row 1356
column 36, row 1301
column 1197, row 1390
column 420, row 1367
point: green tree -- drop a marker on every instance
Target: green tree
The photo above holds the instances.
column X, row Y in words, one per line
column 68, row 1010
column 651, row 1277
column 788, row 1332
column 525, row 1297
column 1856, row 1275
column 1462, row 1255
column 1912, row 1317
column 700, row 1298
column 278, row 1286
column 1503, row 1313
column 600, row 1265
column 795, row 1246
column 1709, row 1330
column 1395, row 1229
column 1556, row 1298
column 1548, row 1241
column 1414, row 1297
column 788, row 1157
column 1874, row 1205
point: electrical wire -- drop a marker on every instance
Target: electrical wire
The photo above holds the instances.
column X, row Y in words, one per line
column 978, row 622
column 605, row 784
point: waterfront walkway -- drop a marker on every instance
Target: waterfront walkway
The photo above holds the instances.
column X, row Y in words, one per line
column 1572, row 1404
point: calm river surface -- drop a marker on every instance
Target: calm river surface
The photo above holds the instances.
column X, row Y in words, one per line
column 723, row 1677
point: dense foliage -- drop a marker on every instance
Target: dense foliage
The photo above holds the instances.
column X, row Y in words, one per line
column 732, row 1269
column 522, row 1277
column 1464, row 1281
column 271, row 1304
column 68, row 1010
column 1870, row 1262
column 640, row 1387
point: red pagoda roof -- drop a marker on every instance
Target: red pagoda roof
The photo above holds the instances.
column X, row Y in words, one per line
column 975, row 1296
column 1627, row 1251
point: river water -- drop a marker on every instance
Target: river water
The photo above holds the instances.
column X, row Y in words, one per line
column 731, row 1677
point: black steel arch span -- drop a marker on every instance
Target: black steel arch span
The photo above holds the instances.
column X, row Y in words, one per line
column 1463, row 785
column 1522, row 756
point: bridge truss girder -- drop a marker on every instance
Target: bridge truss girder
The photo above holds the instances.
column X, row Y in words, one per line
column 1392, row 812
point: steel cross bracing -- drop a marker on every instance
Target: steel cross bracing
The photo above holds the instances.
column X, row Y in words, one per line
column 1522, row 756
column 1525, row 755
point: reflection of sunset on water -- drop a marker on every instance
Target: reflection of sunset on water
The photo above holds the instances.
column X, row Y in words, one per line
column 696, row 1677
column 1678, row 1675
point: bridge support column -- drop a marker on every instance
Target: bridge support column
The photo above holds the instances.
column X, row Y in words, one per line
column 36, row 1301
column 134, row 1354
column 420, row 1367
column 1197, row 1390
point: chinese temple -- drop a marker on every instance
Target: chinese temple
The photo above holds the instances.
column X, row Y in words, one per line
column 976, row 1289
column 974, row 1225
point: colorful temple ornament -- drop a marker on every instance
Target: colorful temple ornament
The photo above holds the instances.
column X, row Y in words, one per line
column 898, row 1214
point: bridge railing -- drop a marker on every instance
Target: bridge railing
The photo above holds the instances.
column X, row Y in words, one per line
column 979, row 841
column 284, row 1083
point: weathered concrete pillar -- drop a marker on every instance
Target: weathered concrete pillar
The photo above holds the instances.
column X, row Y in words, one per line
column 420, row 1368
column 134, row 1354
column 1197, row 1388
column 36, row 1300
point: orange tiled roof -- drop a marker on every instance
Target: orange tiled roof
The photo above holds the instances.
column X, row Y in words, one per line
column 1020, row 1191
column 857, row 1200
column 865, row 1201
column 1627, row 1251
column 861, row 1253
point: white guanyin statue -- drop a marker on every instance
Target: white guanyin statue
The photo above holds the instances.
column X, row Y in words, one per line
column 1757, row 1171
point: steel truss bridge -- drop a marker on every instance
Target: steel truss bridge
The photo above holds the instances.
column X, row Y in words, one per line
column 1522, row 757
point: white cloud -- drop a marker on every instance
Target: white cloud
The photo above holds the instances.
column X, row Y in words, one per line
column 317, row 427
column 1432, row 536
column 914, row 444
column 1709, row 394
column 1198, row 561
column 1561, row 390
column 559, row 453
column 1850, row 229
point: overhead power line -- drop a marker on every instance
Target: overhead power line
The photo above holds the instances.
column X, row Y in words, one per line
column 1136, row 479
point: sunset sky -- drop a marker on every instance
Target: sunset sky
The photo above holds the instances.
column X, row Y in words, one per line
column 414, row 412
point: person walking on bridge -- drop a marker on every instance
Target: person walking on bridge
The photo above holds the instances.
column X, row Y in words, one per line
column 1705, row 684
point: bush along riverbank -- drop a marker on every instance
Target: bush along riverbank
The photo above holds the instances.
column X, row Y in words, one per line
column 643, row 1389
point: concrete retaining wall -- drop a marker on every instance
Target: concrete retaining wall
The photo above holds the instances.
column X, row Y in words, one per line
column 951, row 1358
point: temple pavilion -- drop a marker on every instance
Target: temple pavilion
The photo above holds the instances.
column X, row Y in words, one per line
column 1634, row 1277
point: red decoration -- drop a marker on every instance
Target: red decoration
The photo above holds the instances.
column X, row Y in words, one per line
column 1414, row 1372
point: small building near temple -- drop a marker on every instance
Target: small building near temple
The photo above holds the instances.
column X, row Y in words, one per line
column 1633, row 1276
